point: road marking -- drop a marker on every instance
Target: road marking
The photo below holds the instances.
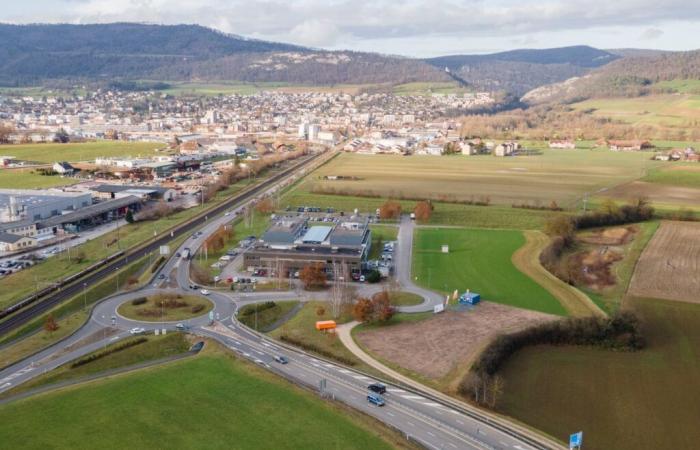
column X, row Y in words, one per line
column 329, row 365
column 5, row 385
column 360, row 377
column 460, row 422
column 432, row 434
column 412, row 397
column 503, row 443
column 434, row 405
column 390, row 414
column 452, row 445
column 114, row 338
column 395, row 390
column 410, row 424
column 258, row 352
column 247, row 355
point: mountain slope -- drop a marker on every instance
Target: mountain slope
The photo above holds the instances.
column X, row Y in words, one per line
column 519, row 71
column 34, row 53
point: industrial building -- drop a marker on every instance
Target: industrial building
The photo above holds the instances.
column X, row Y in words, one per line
column 292, row 243
column 35, row 205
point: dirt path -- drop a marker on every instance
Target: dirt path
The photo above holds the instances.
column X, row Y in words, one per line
column 527, row 260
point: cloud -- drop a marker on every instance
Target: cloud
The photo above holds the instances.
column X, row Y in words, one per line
column 651, row 34
column 315, row 33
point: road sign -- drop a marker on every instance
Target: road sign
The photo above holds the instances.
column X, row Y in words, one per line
column 164, row 250
column 576, row 440
column 211, row 315
column 438, row 308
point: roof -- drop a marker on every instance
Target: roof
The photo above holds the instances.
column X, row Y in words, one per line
column 10, row 238
column 317, row 233
column 116, row 188
column 89, row 211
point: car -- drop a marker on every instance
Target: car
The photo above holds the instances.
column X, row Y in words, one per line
column 177, row 254
column 227, row 213
column 204, row 292
column 181, row 327
column 194, row 236
column 376, row 399
column 362, row 278
column 378, row 388
column 161, row 276
column 137, row 330
column 281, row 359
column 194, row 286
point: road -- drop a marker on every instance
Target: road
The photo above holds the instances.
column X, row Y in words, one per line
column 418, row 415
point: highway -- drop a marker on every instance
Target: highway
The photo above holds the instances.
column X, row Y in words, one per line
column 422, row 418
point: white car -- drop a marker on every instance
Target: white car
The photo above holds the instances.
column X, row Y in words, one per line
column 137, row 330
column 204, row 292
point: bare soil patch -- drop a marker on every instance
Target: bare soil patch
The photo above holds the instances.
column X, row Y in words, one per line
column 670, row 265
column 610, row 236
column 435, row 346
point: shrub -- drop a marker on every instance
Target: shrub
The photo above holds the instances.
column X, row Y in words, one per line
column 250, row 309
column 197, row 308
column 373, row 277
column 98, row 355
column 139, row 301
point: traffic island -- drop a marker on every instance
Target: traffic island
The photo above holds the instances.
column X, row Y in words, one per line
column 166, row 307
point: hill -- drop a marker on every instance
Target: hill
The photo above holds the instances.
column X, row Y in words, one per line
column 519, row 71
column 32, row 54
column 633, row 76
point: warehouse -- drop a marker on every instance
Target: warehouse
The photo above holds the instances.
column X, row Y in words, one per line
column 292, row 243
column 37, row 204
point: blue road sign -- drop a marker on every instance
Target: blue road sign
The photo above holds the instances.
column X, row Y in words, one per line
column 576, row 440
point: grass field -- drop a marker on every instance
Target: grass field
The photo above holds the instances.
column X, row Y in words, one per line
column 561, row 176
column 399, row 298
column 265, row 317
column 623, row 401
column 25, row 179
column 683, row 86
column 479, row 260
column 155, row 348
column 661, row 111
column 684, row 175
column 210, row 401
column 184, row 307
column 73, row 152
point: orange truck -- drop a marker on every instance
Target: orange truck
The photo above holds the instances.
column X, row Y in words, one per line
column 323, row 325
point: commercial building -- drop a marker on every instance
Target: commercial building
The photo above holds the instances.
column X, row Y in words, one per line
column 38, row 204
column 292, row 243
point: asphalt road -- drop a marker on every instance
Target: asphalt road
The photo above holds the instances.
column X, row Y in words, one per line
column 431, row 423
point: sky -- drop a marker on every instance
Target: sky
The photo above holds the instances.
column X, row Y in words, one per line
column 419, row 28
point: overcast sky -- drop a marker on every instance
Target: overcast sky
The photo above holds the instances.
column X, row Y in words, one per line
column 412, row 28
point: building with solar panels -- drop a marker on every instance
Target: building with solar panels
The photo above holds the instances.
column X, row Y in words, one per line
column 341, row 244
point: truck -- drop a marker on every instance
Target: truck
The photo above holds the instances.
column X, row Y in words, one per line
column 186, row 253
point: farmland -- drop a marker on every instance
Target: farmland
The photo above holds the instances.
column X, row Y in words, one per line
column 72, row 152
column 640, row 400
column 561, row 176
column 151, row 408
column 683, row 175
column 443, row 346
column 660, row 111
column 480, row 260
column 668, row 267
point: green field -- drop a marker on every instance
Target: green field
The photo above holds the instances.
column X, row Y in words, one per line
column 25, row 179
column 561, row 176
column 265, row 317
column 623, row 401
column 684, row 175
column 399, row 298
column 682, row 86
column 429, row 88
column 479, row 260
column 660, row 111
column 210, row 401
column 73, row 152
column 154, row 348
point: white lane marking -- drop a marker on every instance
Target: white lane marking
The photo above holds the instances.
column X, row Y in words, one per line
column 114, row 338
column 247, row 355
column 390, row 414
column 237, row 343
column 503, row 443
column 5, row 385
column 410, row 424
column 395, row 390
column 460, row 422
column 258, row 352
column 432, row 434
column 361, row 377
column 412, row 397
column 344, row 371
column 329, row 365
column 454, row 445
column 434, row 405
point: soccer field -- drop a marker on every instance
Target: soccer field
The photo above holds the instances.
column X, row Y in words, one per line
column 479, row 260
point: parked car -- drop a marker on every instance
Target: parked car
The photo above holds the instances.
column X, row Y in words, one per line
column 375, row 399
column 378, row 388
column 281, row 359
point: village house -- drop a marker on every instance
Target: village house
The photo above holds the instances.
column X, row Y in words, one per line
column 506, row 149
column 629, row 146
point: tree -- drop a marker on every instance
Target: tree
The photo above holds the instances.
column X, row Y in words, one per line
column 265, row 206
column 313, row 276
column 5, row 133
column 423, row 210
column 562, row 226
column 61, row 136
column 50, row 324
column 382, row 308
column 362, row 310
column 320, row 311
column 373, row 277
column 129, row 216
column 609, row 207
column 390, row 210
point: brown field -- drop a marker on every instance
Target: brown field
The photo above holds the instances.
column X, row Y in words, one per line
column 656, row 193
column 446, row 342
column 670, row 265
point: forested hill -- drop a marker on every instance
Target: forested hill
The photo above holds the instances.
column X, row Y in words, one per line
column 31, row 54
column 631, row 76
column 519, row 71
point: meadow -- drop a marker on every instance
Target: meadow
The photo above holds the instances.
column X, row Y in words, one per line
column 683, row 175
column 561, row 176
column 479, row 260
column 209, row 401
column 83, row 151
column 26, row 179
column 621, row 400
